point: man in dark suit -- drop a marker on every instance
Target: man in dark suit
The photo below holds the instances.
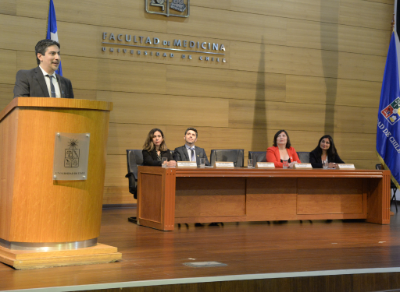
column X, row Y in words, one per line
column 42, row 81
column 190, row 152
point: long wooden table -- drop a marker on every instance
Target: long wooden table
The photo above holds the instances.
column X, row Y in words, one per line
column 192, row 195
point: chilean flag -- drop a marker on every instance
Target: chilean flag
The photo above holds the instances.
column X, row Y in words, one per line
column 52, row 30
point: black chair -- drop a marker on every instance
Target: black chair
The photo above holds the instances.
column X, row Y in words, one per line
column 392, row 186
column 304, row 157
column 233, row 155
column 257, row 156
column 134, row 158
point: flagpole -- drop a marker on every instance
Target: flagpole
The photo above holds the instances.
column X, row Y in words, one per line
column 393, row 23
column 47, row 22
column 52, row 30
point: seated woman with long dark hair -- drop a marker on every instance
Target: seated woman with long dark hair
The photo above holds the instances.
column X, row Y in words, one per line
column 155, row 148
column 282, row 151
column 325, row 152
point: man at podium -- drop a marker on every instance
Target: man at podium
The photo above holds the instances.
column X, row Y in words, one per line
column 42, row 81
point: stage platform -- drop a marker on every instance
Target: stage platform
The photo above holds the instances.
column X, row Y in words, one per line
column 259, row 256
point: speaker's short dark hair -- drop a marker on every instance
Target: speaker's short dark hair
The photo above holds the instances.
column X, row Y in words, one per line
column 42, row 46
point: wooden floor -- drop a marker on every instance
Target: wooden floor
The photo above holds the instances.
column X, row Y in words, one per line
column 291, row 256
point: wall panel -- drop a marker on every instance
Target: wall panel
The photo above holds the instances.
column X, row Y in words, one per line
column 115, row 171
column 348, row 12
column 355, row 119
column 334, row 37
column 225, row 83
column 346, row 92
column 356, row 147
column 248, row 114
column 232, row 26
column 15, row 36
column 25, row 60
column 6, row 94
column 222, row 4
column 309, row 62
column 34, row 9
column 8, row 61
column 165, row 109
column 118, row 195
column 129, row 136
column 311, row 67
column 8, row 7
column 307, row 9
column 122, row 14
column 383, row 1
column 363, row 13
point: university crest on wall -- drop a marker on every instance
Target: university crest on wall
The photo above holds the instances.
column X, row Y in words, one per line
column 178, row 8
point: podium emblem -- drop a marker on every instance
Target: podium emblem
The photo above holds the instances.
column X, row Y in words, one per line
column 180, row 8
column 72, row 154
column 391, row 112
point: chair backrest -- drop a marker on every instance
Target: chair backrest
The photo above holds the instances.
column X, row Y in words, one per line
column 234, row 155
column 378, row 166
column 134, row 159
column 304, row 157
column 257, row 156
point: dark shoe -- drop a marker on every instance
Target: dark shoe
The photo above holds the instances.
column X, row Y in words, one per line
column 179, row 225
column 215, row 224
column 132, row 219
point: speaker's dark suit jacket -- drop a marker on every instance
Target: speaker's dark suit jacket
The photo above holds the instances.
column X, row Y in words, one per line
column 32, row 83
column 181, row 154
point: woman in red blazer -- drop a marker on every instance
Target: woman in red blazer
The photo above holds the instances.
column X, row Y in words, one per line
column 282, row 151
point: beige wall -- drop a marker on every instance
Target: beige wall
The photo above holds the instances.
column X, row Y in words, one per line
column 310, row 67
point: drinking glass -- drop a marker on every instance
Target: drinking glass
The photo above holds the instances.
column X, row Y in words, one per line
column 164, row 161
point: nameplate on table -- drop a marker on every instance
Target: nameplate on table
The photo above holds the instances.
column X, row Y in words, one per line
column 345, row 166
column 186, row 164
column 303, row 166
column 265, row 165
column 225, row 164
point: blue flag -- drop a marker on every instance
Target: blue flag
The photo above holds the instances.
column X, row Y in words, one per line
column 388, row 130
column 52, row 30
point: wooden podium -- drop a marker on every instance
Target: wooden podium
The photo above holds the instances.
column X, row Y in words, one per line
column 46, row 222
